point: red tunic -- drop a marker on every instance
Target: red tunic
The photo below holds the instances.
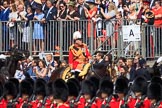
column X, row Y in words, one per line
column 36, row 104
column 3, row 103
column 20, row 103
column 76, row 57
column 160, row 106
column 48, row 103
column 82, row 103
column 101, row 102
column 64, row 105
column 132, row 102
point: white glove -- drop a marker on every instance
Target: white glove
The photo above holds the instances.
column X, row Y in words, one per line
column 143, row 17
column 159, row 60
column 72, row 71
column 90, row 61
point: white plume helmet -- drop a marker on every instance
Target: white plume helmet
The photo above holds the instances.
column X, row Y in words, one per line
column 76, row 35
column 2, row 56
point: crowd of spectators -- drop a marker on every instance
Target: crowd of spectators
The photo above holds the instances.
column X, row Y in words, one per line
column 46, row 10
column 128, row 67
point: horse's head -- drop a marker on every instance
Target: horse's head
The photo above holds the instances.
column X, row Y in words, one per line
column 4, row 71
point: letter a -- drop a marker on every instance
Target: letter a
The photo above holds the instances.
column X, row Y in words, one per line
column 131, row 33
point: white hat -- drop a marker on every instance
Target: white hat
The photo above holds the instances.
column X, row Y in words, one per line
column 38, row 1
column 30, row 58
column 76, row 35
column 2, row 56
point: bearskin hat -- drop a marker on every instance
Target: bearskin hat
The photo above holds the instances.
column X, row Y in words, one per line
column 40, row 87
column 156, row 79
column 26, row 87
column 10, row 89
column 1, row 88
column 16, row 82
column 95, row 80
column 31, row 81
column 49, row 88
column 154, row 91
column 88, row 87
column 76, row 81
column 140, row 85
column 60, row 90
column 73, row 88
column 106, row 86
column 121, row 85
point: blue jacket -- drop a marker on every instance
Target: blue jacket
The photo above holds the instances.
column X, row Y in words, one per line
column 4, row 15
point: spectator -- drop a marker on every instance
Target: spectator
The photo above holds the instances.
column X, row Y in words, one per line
column 32, row 69
column 132, row 16
column 121, row 62
column 5, row 10
column 82, row 14
column 72, row 13
column 19, row 74
column 12, row 26
column 148, row 19
column 4, row 16
column 62, row 11
column 42, row 71
column 108, row 60
column 120, row 7
column 19, row 2
column 26, row 30
column 123, row 71
column 50, row 64
column 51, row 14
column 110, row 17
column 63, row 64
column 90, row 14
column 38, row 34
column 157, row 10
column 44, row 6
column 81, row 10
column 21, row 14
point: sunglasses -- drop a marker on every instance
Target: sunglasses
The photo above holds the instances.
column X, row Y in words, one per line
column 61, row 6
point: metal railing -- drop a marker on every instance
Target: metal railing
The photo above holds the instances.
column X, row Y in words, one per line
column 56, row 37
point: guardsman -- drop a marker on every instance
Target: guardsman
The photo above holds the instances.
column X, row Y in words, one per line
column 74, row 88
column 40, row 93
column 88, row 99
column 60, row 94
column 106, row 99
column 139, row 88
column 50, row 99
column 26, row 90
column 154, row 93
column 9, row 94
column 78, row 54
column 121, row 89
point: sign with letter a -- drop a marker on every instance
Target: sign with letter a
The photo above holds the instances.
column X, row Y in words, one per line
column 131, row 33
